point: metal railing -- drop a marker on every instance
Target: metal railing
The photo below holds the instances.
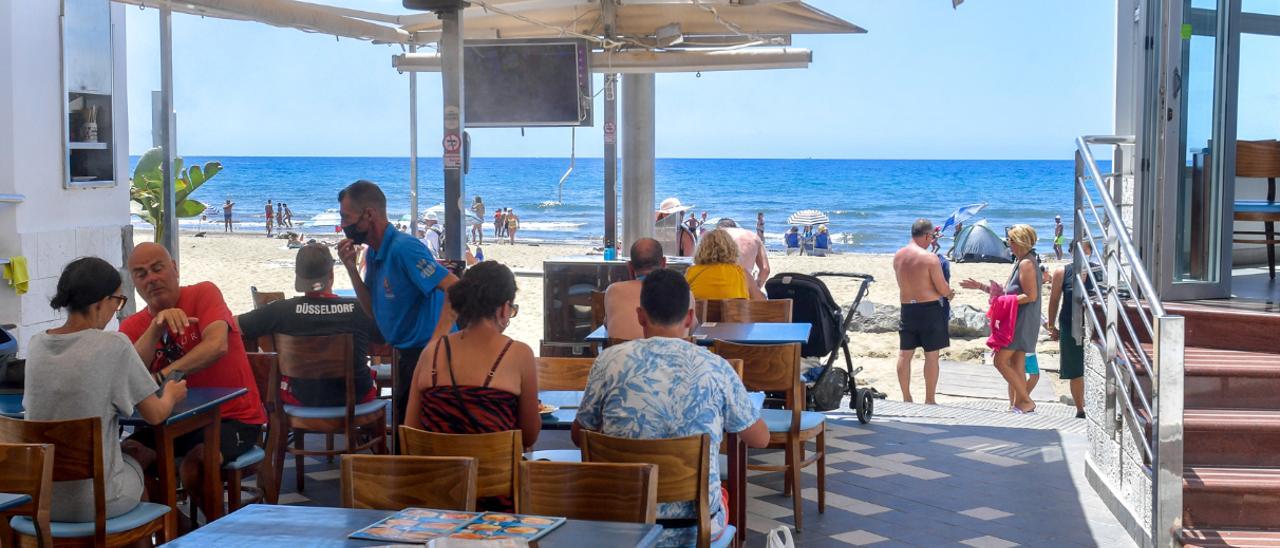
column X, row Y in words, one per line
column 1142, row 345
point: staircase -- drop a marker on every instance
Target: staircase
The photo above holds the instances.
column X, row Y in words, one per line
column 1231, row 427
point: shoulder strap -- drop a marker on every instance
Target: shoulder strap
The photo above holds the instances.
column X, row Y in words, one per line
column 496, row 362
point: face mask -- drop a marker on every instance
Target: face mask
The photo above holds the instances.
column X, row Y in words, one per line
column 355, row 235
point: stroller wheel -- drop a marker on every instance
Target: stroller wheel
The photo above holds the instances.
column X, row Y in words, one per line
column 864, row 405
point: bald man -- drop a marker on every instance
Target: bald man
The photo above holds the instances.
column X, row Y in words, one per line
column 190, row 329
column 622, row 298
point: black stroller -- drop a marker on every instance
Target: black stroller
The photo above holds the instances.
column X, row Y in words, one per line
column 812, row 303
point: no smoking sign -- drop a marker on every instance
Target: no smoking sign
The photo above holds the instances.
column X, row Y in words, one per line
column 452, row 143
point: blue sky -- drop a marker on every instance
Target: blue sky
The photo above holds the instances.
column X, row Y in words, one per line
column 995, row 79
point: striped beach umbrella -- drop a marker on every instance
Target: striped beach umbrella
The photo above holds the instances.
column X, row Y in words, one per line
column 808, row 217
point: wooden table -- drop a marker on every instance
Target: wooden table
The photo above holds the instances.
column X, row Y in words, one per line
column 200, row 410
column 562, row 419
column 258, row 525
column 742, row 333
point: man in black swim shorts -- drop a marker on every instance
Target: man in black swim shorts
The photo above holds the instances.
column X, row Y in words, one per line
column 923, row 292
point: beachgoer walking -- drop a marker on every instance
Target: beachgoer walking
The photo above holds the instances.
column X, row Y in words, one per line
column 280, row 214
column 430, row 236
column 498, row 224
column 1068, row 332
column 1058, row 238
column 752, row 256
column 923, row 293
column 956, row 235
column 934, row 246
column 1024, row 284
column 226, row 215
column 513, row 224
column 404, row 288
column 477, row 226
column 271, row 212
column 760, row 225
column 288, row 216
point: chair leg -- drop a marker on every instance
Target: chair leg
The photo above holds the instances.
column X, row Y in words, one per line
column 822, row 471
column 269, row 482
column 299, row 444
column 328, row 445
column 1270, row 229
column 793, row 472
column 234, row 478
column 786, row 477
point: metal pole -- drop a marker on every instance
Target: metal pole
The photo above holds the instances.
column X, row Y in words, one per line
column 638, row 153
column 454, row 123
column 1166, row 492
column 413, row 149
column 169, row 218
column 610, row 163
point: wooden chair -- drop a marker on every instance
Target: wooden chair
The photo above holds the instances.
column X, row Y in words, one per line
column 261, row 299
column 250, row 462
column 1259, row 159
column 323, row 357
column 498, row 456
column 707, row 311
column 396, row 482
column 26, row 470
column 591, row 491
column 78, row 455
column 563, row 373
column 597, row 309
column 683, row 471
column 776, row 368
column 740, row 310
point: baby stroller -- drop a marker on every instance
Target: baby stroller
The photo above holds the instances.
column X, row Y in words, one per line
column 812, row 303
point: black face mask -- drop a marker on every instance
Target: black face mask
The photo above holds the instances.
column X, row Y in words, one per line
column 355, row 235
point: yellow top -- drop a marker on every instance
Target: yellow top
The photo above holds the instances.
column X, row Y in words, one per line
column 714, row 282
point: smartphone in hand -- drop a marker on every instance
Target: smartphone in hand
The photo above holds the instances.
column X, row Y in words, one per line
column 173, row 377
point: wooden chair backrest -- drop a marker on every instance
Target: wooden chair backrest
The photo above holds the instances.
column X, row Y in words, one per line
column 261, row 364
column 770, row 368
column 27, row 469
column 683, row 467
column 317, row 357
column 262, row 298
column 563, row 373
column 738, row 366
column 740, row 310
column 707, row 311
column 77, row 455
column 498, row 456
column 396, row 482
column 590, row 490
column 1260, row 159
column 597, row 309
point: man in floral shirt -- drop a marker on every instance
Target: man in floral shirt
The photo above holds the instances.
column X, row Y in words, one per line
column 665, row 387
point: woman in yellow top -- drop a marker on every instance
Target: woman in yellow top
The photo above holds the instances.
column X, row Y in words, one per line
column 716, row 275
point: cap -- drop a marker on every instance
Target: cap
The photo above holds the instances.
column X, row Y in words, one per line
column 312, row 268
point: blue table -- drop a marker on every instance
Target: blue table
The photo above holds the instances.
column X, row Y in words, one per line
column 349, row 293
column 741, row 333
column 10, row 500
column 198, row 400
column 259, row 525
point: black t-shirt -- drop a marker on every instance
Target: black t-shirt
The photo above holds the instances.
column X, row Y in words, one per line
column 312, row 316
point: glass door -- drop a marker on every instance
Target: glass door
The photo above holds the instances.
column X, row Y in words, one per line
column 1194, row 120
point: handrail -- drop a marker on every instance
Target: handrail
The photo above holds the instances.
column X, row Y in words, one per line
column 12, row 198
column 1122, row 268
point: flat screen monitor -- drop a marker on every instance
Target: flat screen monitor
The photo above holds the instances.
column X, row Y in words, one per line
column 527, row 83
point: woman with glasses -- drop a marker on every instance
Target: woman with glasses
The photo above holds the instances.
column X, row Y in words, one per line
column 478, row 380
column 78, row 370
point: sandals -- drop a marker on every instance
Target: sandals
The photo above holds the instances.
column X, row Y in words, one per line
column 1015, row 410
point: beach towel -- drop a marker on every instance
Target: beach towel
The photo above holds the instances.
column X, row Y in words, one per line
column 16, row 272
column 1002, row 316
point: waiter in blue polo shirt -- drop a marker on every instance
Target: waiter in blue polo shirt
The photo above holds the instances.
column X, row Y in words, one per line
column 404, row 288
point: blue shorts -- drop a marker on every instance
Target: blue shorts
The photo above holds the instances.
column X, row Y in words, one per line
column 1032, row 365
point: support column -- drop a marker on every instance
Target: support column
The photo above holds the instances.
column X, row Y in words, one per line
column 638, row 153
column 610, row 161
column 168, row 202
column 413, row 150
column 454, row 123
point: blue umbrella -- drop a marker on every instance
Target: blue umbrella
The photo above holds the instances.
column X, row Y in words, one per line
column 960, row 215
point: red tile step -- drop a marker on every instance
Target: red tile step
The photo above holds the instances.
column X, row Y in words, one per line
column 1231, row 437
column 1225, row 538
column 1231, row 498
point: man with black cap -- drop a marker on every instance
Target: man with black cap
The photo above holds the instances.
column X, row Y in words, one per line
column 317, row 312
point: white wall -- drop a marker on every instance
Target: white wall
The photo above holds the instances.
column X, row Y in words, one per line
column 53, row 225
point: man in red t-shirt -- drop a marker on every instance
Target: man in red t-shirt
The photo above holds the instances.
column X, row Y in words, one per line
column 190, row 329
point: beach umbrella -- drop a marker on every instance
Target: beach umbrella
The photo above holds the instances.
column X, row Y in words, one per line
column 960, row 215
column 808, row 217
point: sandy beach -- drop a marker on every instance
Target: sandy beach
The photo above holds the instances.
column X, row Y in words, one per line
column 236, row 262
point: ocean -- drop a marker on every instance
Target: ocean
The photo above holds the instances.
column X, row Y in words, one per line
column 871, row 203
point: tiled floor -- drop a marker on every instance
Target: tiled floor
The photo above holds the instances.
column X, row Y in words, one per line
column 914, row 476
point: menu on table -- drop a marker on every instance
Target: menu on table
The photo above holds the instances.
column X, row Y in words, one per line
column 418, row 525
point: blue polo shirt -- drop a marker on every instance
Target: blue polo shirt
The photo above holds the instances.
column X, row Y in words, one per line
column 404, row 284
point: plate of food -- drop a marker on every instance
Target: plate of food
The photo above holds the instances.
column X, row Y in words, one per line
column 547, row 409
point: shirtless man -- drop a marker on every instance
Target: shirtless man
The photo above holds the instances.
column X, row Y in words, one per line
column 622, row 298
column 751, row 251
column 921, row 288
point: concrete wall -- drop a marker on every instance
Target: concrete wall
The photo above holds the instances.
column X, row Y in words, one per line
column 1115, row 464
column 53, row 225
